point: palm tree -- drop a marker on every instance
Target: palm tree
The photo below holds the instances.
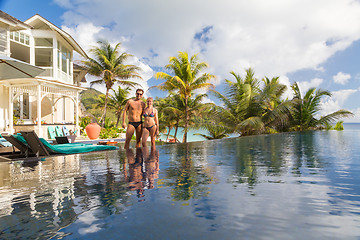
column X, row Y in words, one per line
column 118, row 100
column 250, row 109
column 170, row 113
column 276, row 113
column 216, row 131
column 108, row 64
column 187, row 78
column 305, row 109
column 195, row 108
column 241, row 107
column 212, row 124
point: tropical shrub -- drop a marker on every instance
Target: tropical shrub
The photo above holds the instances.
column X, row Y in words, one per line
column 339, row 126
column 107, row 133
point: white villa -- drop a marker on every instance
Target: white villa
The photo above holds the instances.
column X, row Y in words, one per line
column 51, row 98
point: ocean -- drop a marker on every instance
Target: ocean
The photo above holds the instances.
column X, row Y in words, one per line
column 196, row 138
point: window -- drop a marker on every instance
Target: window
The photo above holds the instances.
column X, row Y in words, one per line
column 16, row 36
column 43, row 42
column 22, row 107
column 64, row 59
column 20, row 38
column 64, row 66
column 3, row 40
column 43, row 57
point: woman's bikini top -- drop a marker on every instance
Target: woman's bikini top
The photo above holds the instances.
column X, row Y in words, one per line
column 149, row 115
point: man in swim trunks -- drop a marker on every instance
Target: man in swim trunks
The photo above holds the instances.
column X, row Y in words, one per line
column 135, row 108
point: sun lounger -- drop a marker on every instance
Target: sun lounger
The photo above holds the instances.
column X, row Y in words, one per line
column 65, row 131
column 4, row 143
column 58, row 131
column 52, row 133
column 66, row 139
column 20, row 143
column 35, row 144
column 71, row 148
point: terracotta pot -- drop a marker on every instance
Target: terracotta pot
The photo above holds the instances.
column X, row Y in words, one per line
column 93, row 130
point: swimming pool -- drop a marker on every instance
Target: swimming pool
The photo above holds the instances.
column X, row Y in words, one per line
column 282, row 186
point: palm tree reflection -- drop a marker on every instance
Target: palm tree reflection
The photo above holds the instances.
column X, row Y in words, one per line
column 191, row 177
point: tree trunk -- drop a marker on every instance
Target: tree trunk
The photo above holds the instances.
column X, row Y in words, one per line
column 105, row 106
column 167, row 137
column 186, row 121
column 118, row 120
column 176, row 129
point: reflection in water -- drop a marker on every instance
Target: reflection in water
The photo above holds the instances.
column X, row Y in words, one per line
column 143, row 169
column 188, row 178
column 38, row 197
column 34, row 200
column 292, row 185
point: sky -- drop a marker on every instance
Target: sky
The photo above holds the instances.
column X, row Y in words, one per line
column 313, row 42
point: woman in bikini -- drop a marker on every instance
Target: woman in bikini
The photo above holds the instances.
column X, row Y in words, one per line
column 151, row 123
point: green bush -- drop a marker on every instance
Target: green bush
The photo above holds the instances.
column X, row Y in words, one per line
column 106, row 133
column 339, row 126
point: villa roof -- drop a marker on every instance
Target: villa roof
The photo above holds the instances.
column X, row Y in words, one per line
column 67, row 37
column 14, row 23
column 77, row 67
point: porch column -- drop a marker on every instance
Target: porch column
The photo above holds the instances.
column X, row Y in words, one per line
column 39, row 110
column 52, row 109
column 11, row 111
column 77, row 128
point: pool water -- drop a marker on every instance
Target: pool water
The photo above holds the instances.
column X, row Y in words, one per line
column 282, row 186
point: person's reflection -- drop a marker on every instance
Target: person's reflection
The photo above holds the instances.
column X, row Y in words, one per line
column 135, row 178
column 151, row 166
column 140, row 171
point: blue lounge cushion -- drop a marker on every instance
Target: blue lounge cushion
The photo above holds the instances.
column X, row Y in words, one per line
column 65, row 131
column 58, row 131
column 5, row 143
column 52, row 133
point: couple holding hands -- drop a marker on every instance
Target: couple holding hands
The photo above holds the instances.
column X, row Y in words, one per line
column 136, row 109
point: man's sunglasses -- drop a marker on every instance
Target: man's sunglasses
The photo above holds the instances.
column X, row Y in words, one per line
column 139, row 94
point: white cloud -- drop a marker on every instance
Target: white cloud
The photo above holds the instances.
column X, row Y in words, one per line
column 275, row 37
column 336, row 101
column 63, row 3
column 87, row 36
column 341, row 78
column 342, row 95
column 207, row 100
column 305, row 86
column 288, row 93
column 355, row 118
